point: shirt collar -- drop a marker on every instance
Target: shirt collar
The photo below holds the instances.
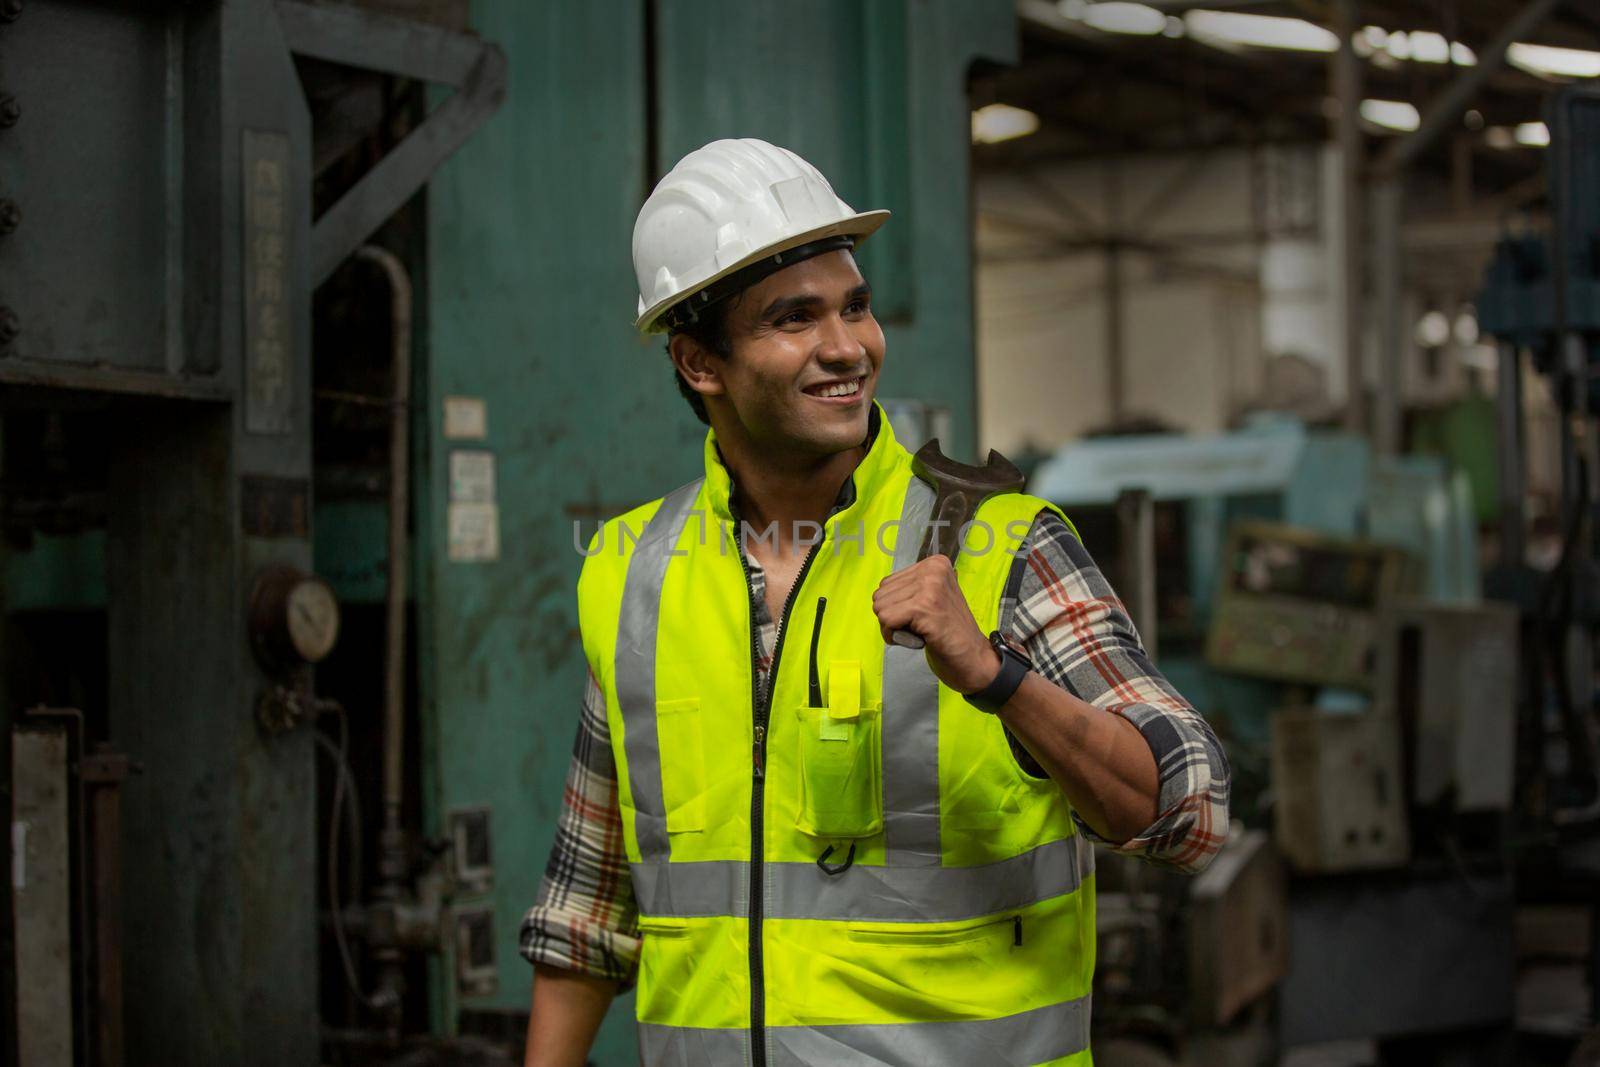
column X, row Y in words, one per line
column 863, row 482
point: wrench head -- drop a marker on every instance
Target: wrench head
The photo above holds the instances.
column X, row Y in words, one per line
column 958, row 490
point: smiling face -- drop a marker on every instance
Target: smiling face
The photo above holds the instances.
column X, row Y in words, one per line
column 803, row 367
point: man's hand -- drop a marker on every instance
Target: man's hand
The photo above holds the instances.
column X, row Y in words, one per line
column 925, row 599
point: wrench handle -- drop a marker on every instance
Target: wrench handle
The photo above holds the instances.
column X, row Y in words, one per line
column 906, row 639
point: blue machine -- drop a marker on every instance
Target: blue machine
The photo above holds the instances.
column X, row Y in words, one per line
column 1273, row 470
column 1542, row 294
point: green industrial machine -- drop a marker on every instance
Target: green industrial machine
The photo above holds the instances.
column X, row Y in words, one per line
column 199, row 392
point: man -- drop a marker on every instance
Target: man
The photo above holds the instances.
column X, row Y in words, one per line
column 805, row 842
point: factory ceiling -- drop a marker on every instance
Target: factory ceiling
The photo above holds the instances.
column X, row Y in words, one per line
column 1162, row 76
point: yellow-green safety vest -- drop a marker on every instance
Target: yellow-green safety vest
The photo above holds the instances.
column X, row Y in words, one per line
column 865, row 878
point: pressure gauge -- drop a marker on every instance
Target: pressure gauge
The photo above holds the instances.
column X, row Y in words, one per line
column 294, row 619
column 313, row 619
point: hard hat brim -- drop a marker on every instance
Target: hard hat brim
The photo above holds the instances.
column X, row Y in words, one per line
column 860, row 226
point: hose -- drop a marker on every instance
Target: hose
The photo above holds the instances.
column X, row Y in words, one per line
column 344, row 786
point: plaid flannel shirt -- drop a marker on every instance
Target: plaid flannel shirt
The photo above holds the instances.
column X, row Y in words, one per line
column 1057, row 605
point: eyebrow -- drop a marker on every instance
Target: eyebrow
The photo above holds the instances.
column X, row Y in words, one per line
column 783, row 305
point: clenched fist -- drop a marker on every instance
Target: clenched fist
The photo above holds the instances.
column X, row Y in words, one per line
column 925, row 599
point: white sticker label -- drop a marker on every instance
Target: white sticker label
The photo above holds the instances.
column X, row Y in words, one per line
column 466, row 418
column 472, row 477
column 19, row 855
column 474, row 532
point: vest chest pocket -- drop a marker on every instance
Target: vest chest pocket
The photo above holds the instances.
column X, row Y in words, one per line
column 679, row 733
column 840, row 761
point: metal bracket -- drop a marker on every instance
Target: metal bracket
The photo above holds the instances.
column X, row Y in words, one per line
column 355, row 37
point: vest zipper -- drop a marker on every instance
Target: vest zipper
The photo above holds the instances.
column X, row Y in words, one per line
column 761, row 709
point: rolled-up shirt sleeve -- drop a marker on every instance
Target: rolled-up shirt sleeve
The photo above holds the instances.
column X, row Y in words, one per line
column 584, row 918
column 1060, row 607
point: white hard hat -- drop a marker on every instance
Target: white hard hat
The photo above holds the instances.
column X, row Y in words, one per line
column 729, row 206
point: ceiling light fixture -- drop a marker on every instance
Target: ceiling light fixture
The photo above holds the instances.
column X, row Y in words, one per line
column 1260, row 31
column 1429, row 47
column 1533, row 135
column 1115, row 16
column 1433, row 330
column 994, row 123
column 1391, row 114
column 1549, row 61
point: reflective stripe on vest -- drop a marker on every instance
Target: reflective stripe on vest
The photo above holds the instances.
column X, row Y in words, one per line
column 911, row 718
column 1038, row 1036
column 871, row 894
column 636, row 665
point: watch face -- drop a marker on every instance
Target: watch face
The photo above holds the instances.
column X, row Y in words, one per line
column 1005, row 647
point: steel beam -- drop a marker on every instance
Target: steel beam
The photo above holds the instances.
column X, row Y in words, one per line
column 1346, row 77
column 474, row 67
column 98, row 378
column 1388, row 278
column 1136, row 537
column 1509, row 454
column 1447, row 107
column 357, row 37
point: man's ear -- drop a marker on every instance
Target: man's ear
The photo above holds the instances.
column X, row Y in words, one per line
column 697, row 365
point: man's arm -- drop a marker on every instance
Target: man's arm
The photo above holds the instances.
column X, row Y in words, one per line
column 582, row 935
column 1137, row 763
column 1061, row 608
column 1101, row 762
column 567, row 1010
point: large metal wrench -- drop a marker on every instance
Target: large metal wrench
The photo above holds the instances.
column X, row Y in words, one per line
column 958, row 490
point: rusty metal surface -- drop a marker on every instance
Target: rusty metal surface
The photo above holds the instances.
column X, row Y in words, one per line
column 102, row 774
column 1450, row 671
column 41, row 900
column 373, row 40
column 87, row 165
column 450, row 14
column 114, row 380
column 275, row 507
column 1341, row 799
column 1238, row 930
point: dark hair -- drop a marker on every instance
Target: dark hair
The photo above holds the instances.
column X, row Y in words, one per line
column 710, row 331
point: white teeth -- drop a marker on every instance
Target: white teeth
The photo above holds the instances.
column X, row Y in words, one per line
column 842, row 389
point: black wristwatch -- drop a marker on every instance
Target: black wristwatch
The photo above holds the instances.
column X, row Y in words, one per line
column 1013, row 665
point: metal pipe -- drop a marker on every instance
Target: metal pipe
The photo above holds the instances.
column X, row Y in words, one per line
column 1116, row 345
column 1136, row 528
column 1115, row 277
column 1509, row 452
column 1352, row 150
column 1388, row 197
column 391, row 839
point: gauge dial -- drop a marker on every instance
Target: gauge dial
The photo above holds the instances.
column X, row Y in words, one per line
column 294, row 619
column 313, row 619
